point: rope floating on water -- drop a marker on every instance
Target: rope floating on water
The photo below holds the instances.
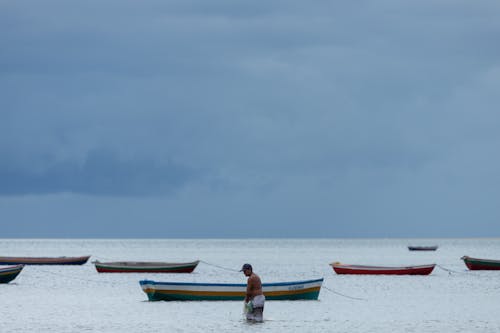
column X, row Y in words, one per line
column 103, row 259
column 78, row 278
column 344, row 295
column 450, row 270
column 467, row 272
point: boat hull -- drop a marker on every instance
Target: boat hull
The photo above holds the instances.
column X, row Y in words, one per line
column 145, row 267
column 43, row 260
column 378, row 270
column 8, row 274
column 476, row 264
column 180, row 291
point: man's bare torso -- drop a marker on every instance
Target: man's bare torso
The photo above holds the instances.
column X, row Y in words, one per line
column 254, row 286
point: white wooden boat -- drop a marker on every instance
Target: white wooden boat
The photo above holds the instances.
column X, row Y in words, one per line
column 185, row 291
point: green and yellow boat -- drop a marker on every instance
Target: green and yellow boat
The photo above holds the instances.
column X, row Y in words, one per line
column 185, row 291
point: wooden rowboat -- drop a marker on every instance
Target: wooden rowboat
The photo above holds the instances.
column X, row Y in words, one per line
column 481, row 264
column 44, row 260
column 423, row 248
column 182, row 291
column 372, row 270
column 144, row 267
column 8, row 274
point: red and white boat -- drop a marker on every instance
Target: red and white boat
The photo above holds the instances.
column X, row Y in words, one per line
column 372, row 270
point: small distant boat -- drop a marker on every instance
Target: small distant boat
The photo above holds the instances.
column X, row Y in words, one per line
column 182, row 291
column 423, row 248
column 44, row 260
column 8, row 274
column 144, row 267
column 372, row 270
column 481, row 264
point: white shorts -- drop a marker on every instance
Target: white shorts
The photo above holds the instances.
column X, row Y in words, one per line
column 257, row 308
column 258, row 301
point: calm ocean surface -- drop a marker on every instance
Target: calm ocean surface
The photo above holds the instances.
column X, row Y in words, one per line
column 78, row 299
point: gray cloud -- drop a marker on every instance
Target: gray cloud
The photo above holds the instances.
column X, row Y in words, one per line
column 359, row 113
column 102, row 173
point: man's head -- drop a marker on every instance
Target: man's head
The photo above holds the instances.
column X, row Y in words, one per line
column 246, row 269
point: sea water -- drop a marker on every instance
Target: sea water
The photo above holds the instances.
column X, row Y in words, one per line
column 78, row 299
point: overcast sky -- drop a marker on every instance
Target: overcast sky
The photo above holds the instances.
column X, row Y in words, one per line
column 231, row 118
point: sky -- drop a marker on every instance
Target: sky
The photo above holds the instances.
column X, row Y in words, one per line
column 237, row 119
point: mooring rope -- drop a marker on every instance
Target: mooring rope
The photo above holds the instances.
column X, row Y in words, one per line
column 221, row 267
column 450, row 270
column 77, row 278
column 344, row 295
column 476, row 274
column 102, row 259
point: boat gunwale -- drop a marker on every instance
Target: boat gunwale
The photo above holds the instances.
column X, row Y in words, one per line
column 145, row 264
column 11, row 269
column 423, row 247
column 274, row 284
column 479, row 260
column 9, row 273
column 80, row 260
column 375, row 268
column 44, row 258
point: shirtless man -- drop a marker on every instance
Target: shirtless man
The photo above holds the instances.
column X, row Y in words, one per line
column 254, row 299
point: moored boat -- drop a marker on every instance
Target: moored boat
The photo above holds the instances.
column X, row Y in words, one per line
column 183, row 291
column 476, row 264
column 8, row 274
column 373, row 270
column 145, row 267
column 422, row 248
column 44, row 260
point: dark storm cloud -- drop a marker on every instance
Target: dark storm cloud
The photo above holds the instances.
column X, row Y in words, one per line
column 102, row 173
